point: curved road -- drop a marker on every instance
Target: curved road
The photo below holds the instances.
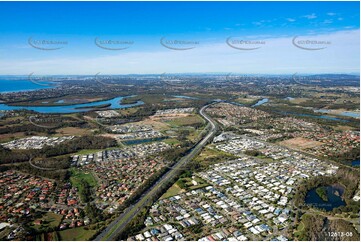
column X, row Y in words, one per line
column 119, row 224
column 42, row 168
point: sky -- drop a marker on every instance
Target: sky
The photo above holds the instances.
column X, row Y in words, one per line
column 85, row 38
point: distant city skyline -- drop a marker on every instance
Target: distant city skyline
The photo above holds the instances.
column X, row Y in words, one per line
column 84, row 38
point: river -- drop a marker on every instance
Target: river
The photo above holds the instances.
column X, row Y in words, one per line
column 114, row 103
column 260, row 102
column 345, row 113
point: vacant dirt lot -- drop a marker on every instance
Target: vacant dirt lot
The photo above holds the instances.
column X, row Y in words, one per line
column 300, row 143
column 73, row 131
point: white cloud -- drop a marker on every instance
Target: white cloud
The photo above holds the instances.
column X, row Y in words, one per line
column 310, row 16
column 259, row 23
column 328, row 21
column 291, row 19
column 262, row 22
column 277, row 56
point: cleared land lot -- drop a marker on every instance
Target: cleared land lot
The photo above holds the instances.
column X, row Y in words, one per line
column 79, row 233
column 155, row 124
column 73, row 131
column 300, row 143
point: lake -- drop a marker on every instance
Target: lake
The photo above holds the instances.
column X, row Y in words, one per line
column 141, row 141
column 22, row 85
column 334, row 201
column 114, row 103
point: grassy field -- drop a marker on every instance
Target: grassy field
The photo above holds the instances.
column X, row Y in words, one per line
column 11, row 136
column 128, row 111
column 79, row 233
column 201, row 184
column 187, row 181
column 87, row 152
column 198, row 186
column 210, row 156
column 77, row 176
column 4, row 233
column 343, row 128
column 300, row 232
column 186, row 121
column 195, row 135
column 49, row 220
column 300, row 229
column 155, row 124
column 247, row 101
column 172, row 191
column 147, row 98
column 171, row 141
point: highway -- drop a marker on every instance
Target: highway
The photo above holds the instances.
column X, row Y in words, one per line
column 117, row 226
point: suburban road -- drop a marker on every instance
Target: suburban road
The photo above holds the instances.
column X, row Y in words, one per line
column 117, row 226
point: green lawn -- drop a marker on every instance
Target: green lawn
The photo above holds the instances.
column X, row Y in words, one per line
column 198, row 186
column 300, row 227
column 186, row 121
column 171, row 141
column 87, row 152
column 50, row 220
column 209, row 156
column 190, row 186
column 78, row 233
column 175, row 189
column 77, row 176
column 172, row 191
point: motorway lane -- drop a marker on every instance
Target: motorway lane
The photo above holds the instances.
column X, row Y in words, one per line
column 120, row 223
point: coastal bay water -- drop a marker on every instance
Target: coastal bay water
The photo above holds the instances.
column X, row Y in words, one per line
column 18, row 85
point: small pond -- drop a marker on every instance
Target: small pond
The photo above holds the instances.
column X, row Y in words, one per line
column 334, row 198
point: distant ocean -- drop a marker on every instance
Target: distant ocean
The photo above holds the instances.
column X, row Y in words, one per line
column 21, row 85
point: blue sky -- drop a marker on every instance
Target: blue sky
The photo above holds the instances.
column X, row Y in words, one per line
column 208, row 24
